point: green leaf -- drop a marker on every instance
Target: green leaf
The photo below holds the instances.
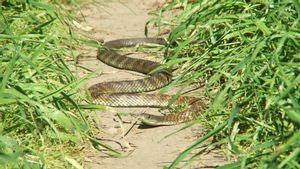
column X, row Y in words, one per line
column 196, row 144
column 74, row 163
column 262, row 26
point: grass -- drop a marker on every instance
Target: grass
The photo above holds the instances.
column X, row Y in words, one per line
column 42, row 120
column 247, row 53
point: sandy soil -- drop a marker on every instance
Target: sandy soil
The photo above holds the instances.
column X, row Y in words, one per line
column 144, row 146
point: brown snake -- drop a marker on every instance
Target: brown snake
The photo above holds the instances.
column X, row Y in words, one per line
column 126, row 93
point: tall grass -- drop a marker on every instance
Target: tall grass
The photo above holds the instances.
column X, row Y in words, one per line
column 248, row 53
column 41, row 124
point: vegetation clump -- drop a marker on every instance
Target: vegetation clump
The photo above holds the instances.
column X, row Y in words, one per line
column 248, row 54
column 41, row 122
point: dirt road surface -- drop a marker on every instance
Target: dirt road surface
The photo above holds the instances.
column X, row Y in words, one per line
column 145, row 147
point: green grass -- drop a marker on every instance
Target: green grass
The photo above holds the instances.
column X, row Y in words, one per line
column 42, row 123
column 247, row 53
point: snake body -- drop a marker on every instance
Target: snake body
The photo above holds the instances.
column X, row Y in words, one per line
column 127, row 93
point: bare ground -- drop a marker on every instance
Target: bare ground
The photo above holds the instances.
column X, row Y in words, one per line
column 145, row 147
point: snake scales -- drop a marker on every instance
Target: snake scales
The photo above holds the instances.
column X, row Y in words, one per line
column 126, row 93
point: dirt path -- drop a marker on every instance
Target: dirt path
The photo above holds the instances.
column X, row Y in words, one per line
column 123, row 19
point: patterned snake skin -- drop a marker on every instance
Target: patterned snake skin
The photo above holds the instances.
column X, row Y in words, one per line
column 126, row 93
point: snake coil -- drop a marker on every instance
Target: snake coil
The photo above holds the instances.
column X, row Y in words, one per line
column 127, row 93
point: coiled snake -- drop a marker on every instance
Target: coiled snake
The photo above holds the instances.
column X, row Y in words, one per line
column 126, row 93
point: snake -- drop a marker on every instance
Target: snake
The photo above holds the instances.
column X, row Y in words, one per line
column 130, row 93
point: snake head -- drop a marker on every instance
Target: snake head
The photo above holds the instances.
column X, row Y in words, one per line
column 152, row 120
